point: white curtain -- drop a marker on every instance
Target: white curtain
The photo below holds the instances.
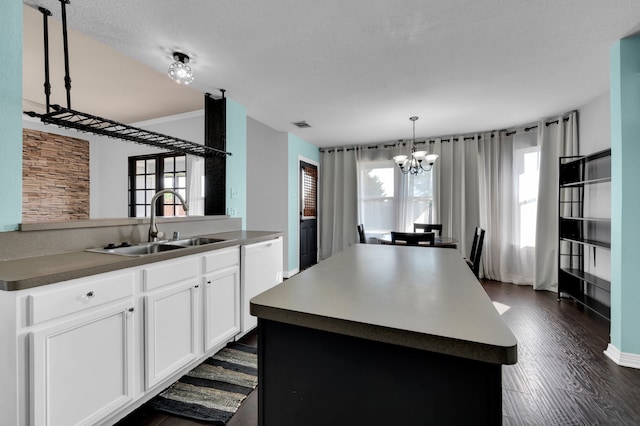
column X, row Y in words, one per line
column 455, row 176
column 338, row 201
column 195, row 185
column 508, row 253
column 518, row 181
column 558, row 138
column 388, row 199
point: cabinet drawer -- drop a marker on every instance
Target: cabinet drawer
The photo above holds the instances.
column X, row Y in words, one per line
column 222, row 258
column 170, row 271
column 83, row 295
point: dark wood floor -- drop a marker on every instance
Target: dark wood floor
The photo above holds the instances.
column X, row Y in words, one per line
column 562, row 376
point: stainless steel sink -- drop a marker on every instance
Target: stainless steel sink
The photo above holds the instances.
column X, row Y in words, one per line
column 141, row 249
column 144, row 249
column 195, row 241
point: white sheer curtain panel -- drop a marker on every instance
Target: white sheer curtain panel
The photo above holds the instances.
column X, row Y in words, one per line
column 558, row 138
column 455, row 188
column 389, row 200
column 508, row 172
column 195, row 185
column 338, row 201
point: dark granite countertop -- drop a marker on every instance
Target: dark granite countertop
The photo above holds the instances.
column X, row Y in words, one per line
column 419, row 297
column 20, row 274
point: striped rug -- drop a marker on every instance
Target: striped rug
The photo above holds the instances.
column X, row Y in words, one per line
column 213, row 390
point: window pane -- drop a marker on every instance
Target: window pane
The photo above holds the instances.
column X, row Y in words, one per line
column 140, row 198
column 181, row 164
column 378, row 215
column 182, row 182
column 168, row 181
column 140, row 211
column 140, row 167
column 421, row 210
column 150, row 194
column 420, row 185
column 140, row 182
column 151, row 181
column 377, row 182
column 151, row 166
column 168, row 164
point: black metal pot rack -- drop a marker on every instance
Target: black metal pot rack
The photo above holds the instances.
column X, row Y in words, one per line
column 72, row 119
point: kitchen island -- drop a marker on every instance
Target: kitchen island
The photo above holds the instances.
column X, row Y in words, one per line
column 381, row 335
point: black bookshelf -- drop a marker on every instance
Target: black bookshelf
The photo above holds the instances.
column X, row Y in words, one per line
column 579, row 236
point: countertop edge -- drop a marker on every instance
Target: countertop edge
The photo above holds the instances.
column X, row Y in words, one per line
column 493, row 354
column 114, row 262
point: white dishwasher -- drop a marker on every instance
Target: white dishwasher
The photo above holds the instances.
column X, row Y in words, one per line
column 261, row 268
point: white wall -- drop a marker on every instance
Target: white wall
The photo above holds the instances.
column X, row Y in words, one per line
column 595, row 135
column 595, row 125
column 266, row 179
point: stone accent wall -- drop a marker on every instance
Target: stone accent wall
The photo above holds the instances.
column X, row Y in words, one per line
column 55, row 177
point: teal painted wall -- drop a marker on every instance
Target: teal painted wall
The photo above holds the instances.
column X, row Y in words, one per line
column 625, row 195
column 296, row 148
column 11, row 116
column 237, row 163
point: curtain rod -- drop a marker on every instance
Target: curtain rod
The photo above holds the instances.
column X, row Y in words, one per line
column 450, row 139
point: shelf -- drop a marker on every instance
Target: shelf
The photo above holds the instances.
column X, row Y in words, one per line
column 577, row 171
column 589, row 278
column 575, row 232
column 584, row 182
column 588, row 242
column 587, row 219
column 84, row 122
column 591, row 303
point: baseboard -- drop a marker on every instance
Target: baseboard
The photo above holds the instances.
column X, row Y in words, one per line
column 621, row 358
column 289, row 274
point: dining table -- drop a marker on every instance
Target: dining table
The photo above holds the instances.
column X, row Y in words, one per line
column 439, row 241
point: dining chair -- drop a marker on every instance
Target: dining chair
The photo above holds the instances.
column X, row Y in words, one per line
column 361, row 234
column 476, row 251
column 428, row 227
column 412, row 238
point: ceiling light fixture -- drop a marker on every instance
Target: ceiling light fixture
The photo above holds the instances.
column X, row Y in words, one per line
column 412, row 163
column 179, row 71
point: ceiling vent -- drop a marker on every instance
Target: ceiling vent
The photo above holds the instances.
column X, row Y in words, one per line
column 301, row 124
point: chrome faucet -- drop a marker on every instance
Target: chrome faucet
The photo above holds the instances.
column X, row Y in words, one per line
column 153, row 227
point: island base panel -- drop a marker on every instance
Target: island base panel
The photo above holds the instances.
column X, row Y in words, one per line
column 313, row 377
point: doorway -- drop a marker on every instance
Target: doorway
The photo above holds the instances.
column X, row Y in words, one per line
column 308, row 215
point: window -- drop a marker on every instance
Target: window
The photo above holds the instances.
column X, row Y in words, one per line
column 391, row 201
column 309, row 178
column 150, row 173
column 526, row 170
column 377, row 190
column 419, row 200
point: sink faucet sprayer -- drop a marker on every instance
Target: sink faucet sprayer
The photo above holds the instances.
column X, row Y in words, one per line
column 153, row 227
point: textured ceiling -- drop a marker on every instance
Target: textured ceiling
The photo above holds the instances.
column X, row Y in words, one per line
column 354, row 70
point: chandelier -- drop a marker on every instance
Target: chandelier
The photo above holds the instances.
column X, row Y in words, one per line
column 417, row 161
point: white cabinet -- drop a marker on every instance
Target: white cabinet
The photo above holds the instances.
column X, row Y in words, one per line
column 262, row 265
column 170, row 319
column 81, row 363
column 221, row 297
column 88, row 350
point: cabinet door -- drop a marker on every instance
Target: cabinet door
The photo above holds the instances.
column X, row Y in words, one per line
column 170, row 331
column 221, row 306
column 82, row 368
